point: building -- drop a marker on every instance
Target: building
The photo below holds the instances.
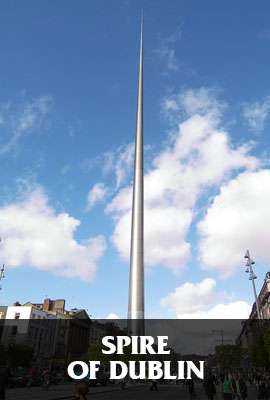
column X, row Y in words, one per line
column 72, row 336
column 3, row 311
column 55, row 334
column 251, row 327
column 97, row 331
column 72, row 330
column 52, row 306
column 26, row 325
column 26, row 311
column 264, row 299
column 248, row 333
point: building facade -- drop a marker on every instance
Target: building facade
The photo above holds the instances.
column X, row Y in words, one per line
column 252, row 326
column 55, row 335
column 26, row 325
column 263, row 300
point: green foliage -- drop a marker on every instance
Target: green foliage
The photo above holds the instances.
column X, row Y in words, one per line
column 3, row 355
column 229, row 356
column 260, row 350
column 94, row 353
column 267, row 343
column 19, row 355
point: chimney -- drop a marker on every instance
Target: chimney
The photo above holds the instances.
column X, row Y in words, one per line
column 46, row 304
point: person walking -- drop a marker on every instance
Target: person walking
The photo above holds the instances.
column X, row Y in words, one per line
column 210, row 387
column 263, row 389
column 46, row 379
column 81, row 390
column 227, row 388
column 3, row 382
column 241, row 388
column 154, row 385
column 191, row 389
column 123, row 384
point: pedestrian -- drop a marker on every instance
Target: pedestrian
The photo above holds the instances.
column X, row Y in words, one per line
column 81, row 390
column 191, row 389
column 241, row 388
column 31, row 374
column 263, row 390
column 3, row 382
column 123, row 384
column 46, row 379
column 154, row 385
column 210, row 387
column 227, row 388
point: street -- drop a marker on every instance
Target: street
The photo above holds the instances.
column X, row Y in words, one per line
column 62, row 392
column 172, row 392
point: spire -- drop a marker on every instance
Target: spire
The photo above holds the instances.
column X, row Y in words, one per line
column 136, row 277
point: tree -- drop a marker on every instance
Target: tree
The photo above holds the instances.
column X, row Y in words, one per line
column 3, row 354
column 229, row 356
column 19, row 355
column 267, row 342
column 94, row 353
column 260, row 350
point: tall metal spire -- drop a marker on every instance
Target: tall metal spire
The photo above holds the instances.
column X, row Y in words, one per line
column 136, row 277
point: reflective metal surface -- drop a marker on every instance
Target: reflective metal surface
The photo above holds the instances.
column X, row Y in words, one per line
column 136, row 278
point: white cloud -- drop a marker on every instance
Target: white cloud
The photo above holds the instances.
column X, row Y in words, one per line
column 233, row 310
column 199, row 156
column 95, row 195
column 238, row 218
column 199, row 301
column 169, row 104
column 256, row 114
column 34, row 234
column 168, row 54
column 164, row 236
column 124, row 162
column 119, row 162
column 4, row 111
column 166, row 50
column 112, row 316
column 191, row 297
column 200, row 101
column 20, row 120
column 65, row 169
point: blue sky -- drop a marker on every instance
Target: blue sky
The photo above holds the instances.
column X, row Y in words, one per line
column 67, row 122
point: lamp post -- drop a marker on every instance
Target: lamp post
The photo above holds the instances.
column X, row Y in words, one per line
column 2, row 274
column 2, row 270
column 221, row 333
column 252, row 277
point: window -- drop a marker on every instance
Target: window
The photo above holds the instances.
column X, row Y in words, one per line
column 17, row 315
column 14, row 330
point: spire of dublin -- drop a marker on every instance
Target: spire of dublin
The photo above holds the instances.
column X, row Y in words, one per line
column 136, row 275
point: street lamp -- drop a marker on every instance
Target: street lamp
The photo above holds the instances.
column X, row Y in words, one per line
column 252, row 277
column 2, row 273
column 2, row 270
column 221, row 333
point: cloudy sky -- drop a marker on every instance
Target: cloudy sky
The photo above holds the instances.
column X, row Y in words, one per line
column 67, row 122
